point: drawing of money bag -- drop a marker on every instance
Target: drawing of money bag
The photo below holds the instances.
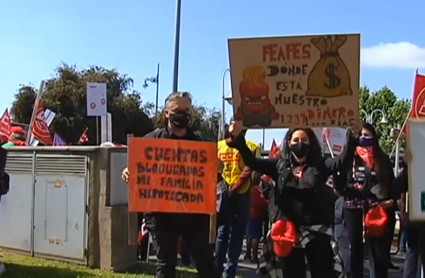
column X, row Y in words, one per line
column 329, row 77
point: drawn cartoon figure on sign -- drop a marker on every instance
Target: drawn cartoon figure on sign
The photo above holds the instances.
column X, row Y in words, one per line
column 255, row 107
column 329, row 77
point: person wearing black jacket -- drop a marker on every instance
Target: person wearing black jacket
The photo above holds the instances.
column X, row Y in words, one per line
column 340, row 231
column 302, row 197
column 415, row 231
column 370, row 181
column 168, row 227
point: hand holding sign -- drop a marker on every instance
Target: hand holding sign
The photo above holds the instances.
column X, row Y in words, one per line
column 357, row 127
column 124, row 175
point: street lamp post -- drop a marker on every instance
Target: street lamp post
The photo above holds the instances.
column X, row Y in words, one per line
column 223, row 102
column 369, row 116
column 156, row 81
column 369, row 119
column 177, row 46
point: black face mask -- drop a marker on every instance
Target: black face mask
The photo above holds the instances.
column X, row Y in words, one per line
column 180, row 119
column 299, row 149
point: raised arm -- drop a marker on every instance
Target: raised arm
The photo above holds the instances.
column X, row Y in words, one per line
column 264, row 166
column 345, row 160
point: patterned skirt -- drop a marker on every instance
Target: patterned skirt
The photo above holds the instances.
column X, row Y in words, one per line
column 270, row 268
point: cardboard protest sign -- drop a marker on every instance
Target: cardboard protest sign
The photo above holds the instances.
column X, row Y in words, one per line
column 300, row 81
column 175, row 176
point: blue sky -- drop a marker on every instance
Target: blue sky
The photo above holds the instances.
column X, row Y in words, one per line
column 133, row 36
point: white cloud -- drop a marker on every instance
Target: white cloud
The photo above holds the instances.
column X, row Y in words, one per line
column 394, row 55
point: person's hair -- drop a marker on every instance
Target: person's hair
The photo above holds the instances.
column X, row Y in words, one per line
column 177, row 95
column 17, row 136
column 381, row 159
column 314, row 152
column 161, row 120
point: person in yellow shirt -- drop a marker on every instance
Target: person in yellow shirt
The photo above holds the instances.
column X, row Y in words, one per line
column 231, row 232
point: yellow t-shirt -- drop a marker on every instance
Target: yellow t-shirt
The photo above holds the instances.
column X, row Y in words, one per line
column 233, row 164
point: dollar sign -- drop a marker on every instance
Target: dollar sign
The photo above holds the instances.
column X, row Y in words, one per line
column 333, row 80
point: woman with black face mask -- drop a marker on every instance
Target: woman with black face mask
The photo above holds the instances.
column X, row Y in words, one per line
column 301, row 202
column 370, row 182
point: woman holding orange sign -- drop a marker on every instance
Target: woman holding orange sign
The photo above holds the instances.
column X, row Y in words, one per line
column 301, row 205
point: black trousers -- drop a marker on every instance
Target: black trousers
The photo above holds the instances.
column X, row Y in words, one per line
column 319, row 256
column 416, row 239
column 195, row 233
column 378, row 246
column 390, row 232
column 266, row 225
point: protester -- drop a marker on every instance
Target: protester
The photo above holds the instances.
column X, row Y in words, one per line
column 340, row 231
column 230, row 235
column 415, row 233
column 391, row 222
column 256, row 216
column 142, row 241
column 17, row 137
column 168, row 227
column 402, row 236
column 402, row 233
column 266, row 186
column 301, row 205
column 184, row 249
column 369, row 188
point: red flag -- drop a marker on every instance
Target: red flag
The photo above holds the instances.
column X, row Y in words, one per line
column 5, row 125
column 83, row 137
column 274, row 149
column 39, row 127
column 417, row 111
column 274, row 152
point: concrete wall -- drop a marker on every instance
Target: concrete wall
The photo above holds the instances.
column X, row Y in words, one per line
column 108, row 229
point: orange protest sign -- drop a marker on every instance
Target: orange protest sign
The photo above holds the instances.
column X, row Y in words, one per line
column 176, row 176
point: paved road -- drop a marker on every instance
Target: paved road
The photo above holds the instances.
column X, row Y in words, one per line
column 247, row 270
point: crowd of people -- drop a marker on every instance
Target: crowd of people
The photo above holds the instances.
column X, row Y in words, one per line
column 294, row 223
column 305, row 227
column 315, row 230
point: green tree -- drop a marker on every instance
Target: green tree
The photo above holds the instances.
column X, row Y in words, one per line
column 204, row 121
column 22, row 106
column 65, row 94
column 395, row 110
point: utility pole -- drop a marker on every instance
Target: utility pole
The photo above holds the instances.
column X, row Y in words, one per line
column 177, row 46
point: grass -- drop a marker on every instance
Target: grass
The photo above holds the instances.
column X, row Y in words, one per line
column 21, row 266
